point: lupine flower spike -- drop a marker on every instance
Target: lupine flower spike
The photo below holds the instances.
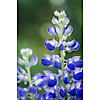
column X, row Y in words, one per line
column 71, row 72
column 24, row 75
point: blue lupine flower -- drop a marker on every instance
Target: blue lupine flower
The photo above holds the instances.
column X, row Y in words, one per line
column 76, row 61
column 59, row 97
column 62, row 93
column 56, row 13
column 74, row 97
column 22, row 77
column 65, row 21
column 45, row 80
column 52, row 82
column 43, row 97
column 74, row 87
column 20, row 61
column 69, row 30
column 61, row 45
column 55, row 21
column 79, row 93
column 37, row 96
column 79, row 63
column 32, row 89
column 48, row 96
column 18, row 79
column 61, row 16
column 72, row 46
column 63, row 30
column 56, row 64
column 36, row 76
column 21, row 92
column 51, row 60
column 57, row 31
column 52, row 95
column 20, row 70
column 59, row 74
column 72, row 92
column 66, row 80
column 26, row 53
column 51, row 30
column 71, row 66
column 33, row 60
column 52, row 78
column 51, row 44
column 41, row 82
column 78, row 76
column 47, row 61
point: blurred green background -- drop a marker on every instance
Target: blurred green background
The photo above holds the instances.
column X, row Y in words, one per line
column 34, row 17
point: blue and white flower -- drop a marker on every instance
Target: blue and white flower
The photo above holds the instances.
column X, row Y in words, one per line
column 62, row 91
column 66, row 80
column 42, row 81
column 49, row 61
column 51, row 30
column 72, row 46
column 51, row 44
column 21, row 93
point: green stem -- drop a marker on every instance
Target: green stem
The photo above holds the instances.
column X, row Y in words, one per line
column 62, row 61
column 62, row 67
column 30, row 81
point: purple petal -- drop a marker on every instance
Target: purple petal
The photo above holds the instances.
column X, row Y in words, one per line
column 71, row 44
column 56, row 64
column 33, row 60
column 65, row 21
column 47, row 72
column 51, row 30
column 69, row 30
column 50, row 47
column 26, row 66
column 76, row 47
column 54, row 21
column 76, row 58
column 63, row 30
column 57, row 31
column 37, row 76
column 56, row 13
column 61, row 47
column 48, row 56
column 20, row 61
column 46, row 62
column 19, row 69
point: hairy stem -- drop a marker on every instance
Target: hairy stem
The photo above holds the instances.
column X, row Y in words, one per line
column 30, row 82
